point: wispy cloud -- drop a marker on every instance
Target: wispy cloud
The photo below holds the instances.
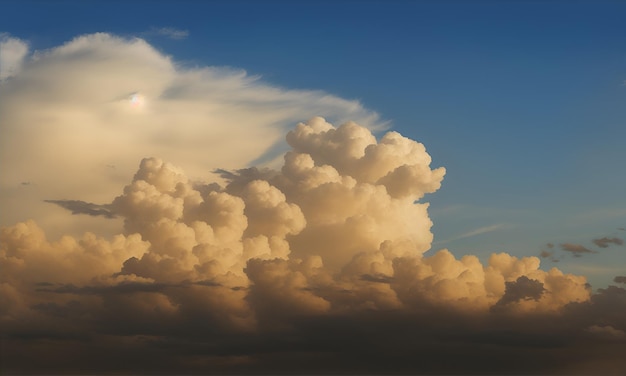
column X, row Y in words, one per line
column 169, row 32
column 475, row 232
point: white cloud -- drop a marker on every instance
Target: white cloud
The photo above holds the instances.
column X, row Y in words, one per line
column 70, row 113
column 12, row 54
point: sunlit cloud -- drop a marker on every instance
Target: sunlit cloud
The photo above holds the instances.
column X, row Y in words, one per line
column 196, row 260
column 12, row 54
column 100, row 101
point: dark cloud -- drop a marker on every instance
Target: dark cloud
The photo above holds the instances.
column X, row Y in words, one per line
column 576, row 249
column 523, row 288
column 377, row 278
column 605, row 242
column 82, row 207
column 550, row 245
column 545, row 254
column 375, row 342
column 619, row 279
column 122, row 288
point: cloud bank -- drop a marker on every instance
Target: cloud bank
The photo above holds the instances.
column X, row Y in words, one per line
column 316, row 266
column 278, row 266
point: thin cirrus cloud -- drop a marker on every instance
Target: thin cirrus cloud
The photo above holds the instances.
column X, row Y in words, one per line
column 169, row 32
column 311, row 266
column 475, row 232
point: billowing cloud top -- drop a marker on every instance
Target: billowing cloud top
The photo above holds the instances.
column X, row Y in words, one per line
column 315, row 264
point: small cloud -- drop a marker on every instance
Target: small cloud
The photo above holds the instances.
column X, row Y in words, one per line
column 523, row 288
column 170, row 32
column 606, row 331
column 605, row 242
column 82, row 207
column 478, row 231
column 620, row 279
column 576, row 249
column 545, row 254
column 550, row 245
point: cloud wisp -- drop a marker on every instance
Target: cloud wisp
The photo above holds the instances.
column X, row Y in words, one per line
column 169, row 32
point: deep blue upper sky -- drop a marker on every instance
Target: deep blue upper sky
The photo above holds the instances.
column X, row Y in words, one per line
column 523, row 102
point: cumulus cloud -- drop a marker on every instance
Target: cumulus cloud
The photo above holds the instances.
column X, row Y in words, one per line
column 318, row 264
column 72, row 111
column 339, row 230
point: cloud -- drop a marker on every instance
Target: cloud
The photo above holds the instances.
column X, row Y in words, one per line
column 169, row 32
column 521, row 289
column 545, row 254
column 82, row 207
column 100, row 100
column 317, row 264
column 606, row 241
column 619, row 279
column 12, row 54
column 475, row 232
column 576, row 249
column 606, row 331
column 338, row 231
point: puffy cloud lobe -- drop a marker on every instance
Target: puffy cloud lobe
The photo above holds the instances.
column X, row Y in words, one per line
column 95, row 106
column 12, row 54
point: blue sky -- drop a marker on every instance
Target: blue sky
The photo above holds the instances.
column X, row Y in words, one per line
column 522, row 102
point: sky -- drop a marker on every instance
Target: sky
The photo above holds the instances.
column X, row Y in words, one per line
column 312, row 187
